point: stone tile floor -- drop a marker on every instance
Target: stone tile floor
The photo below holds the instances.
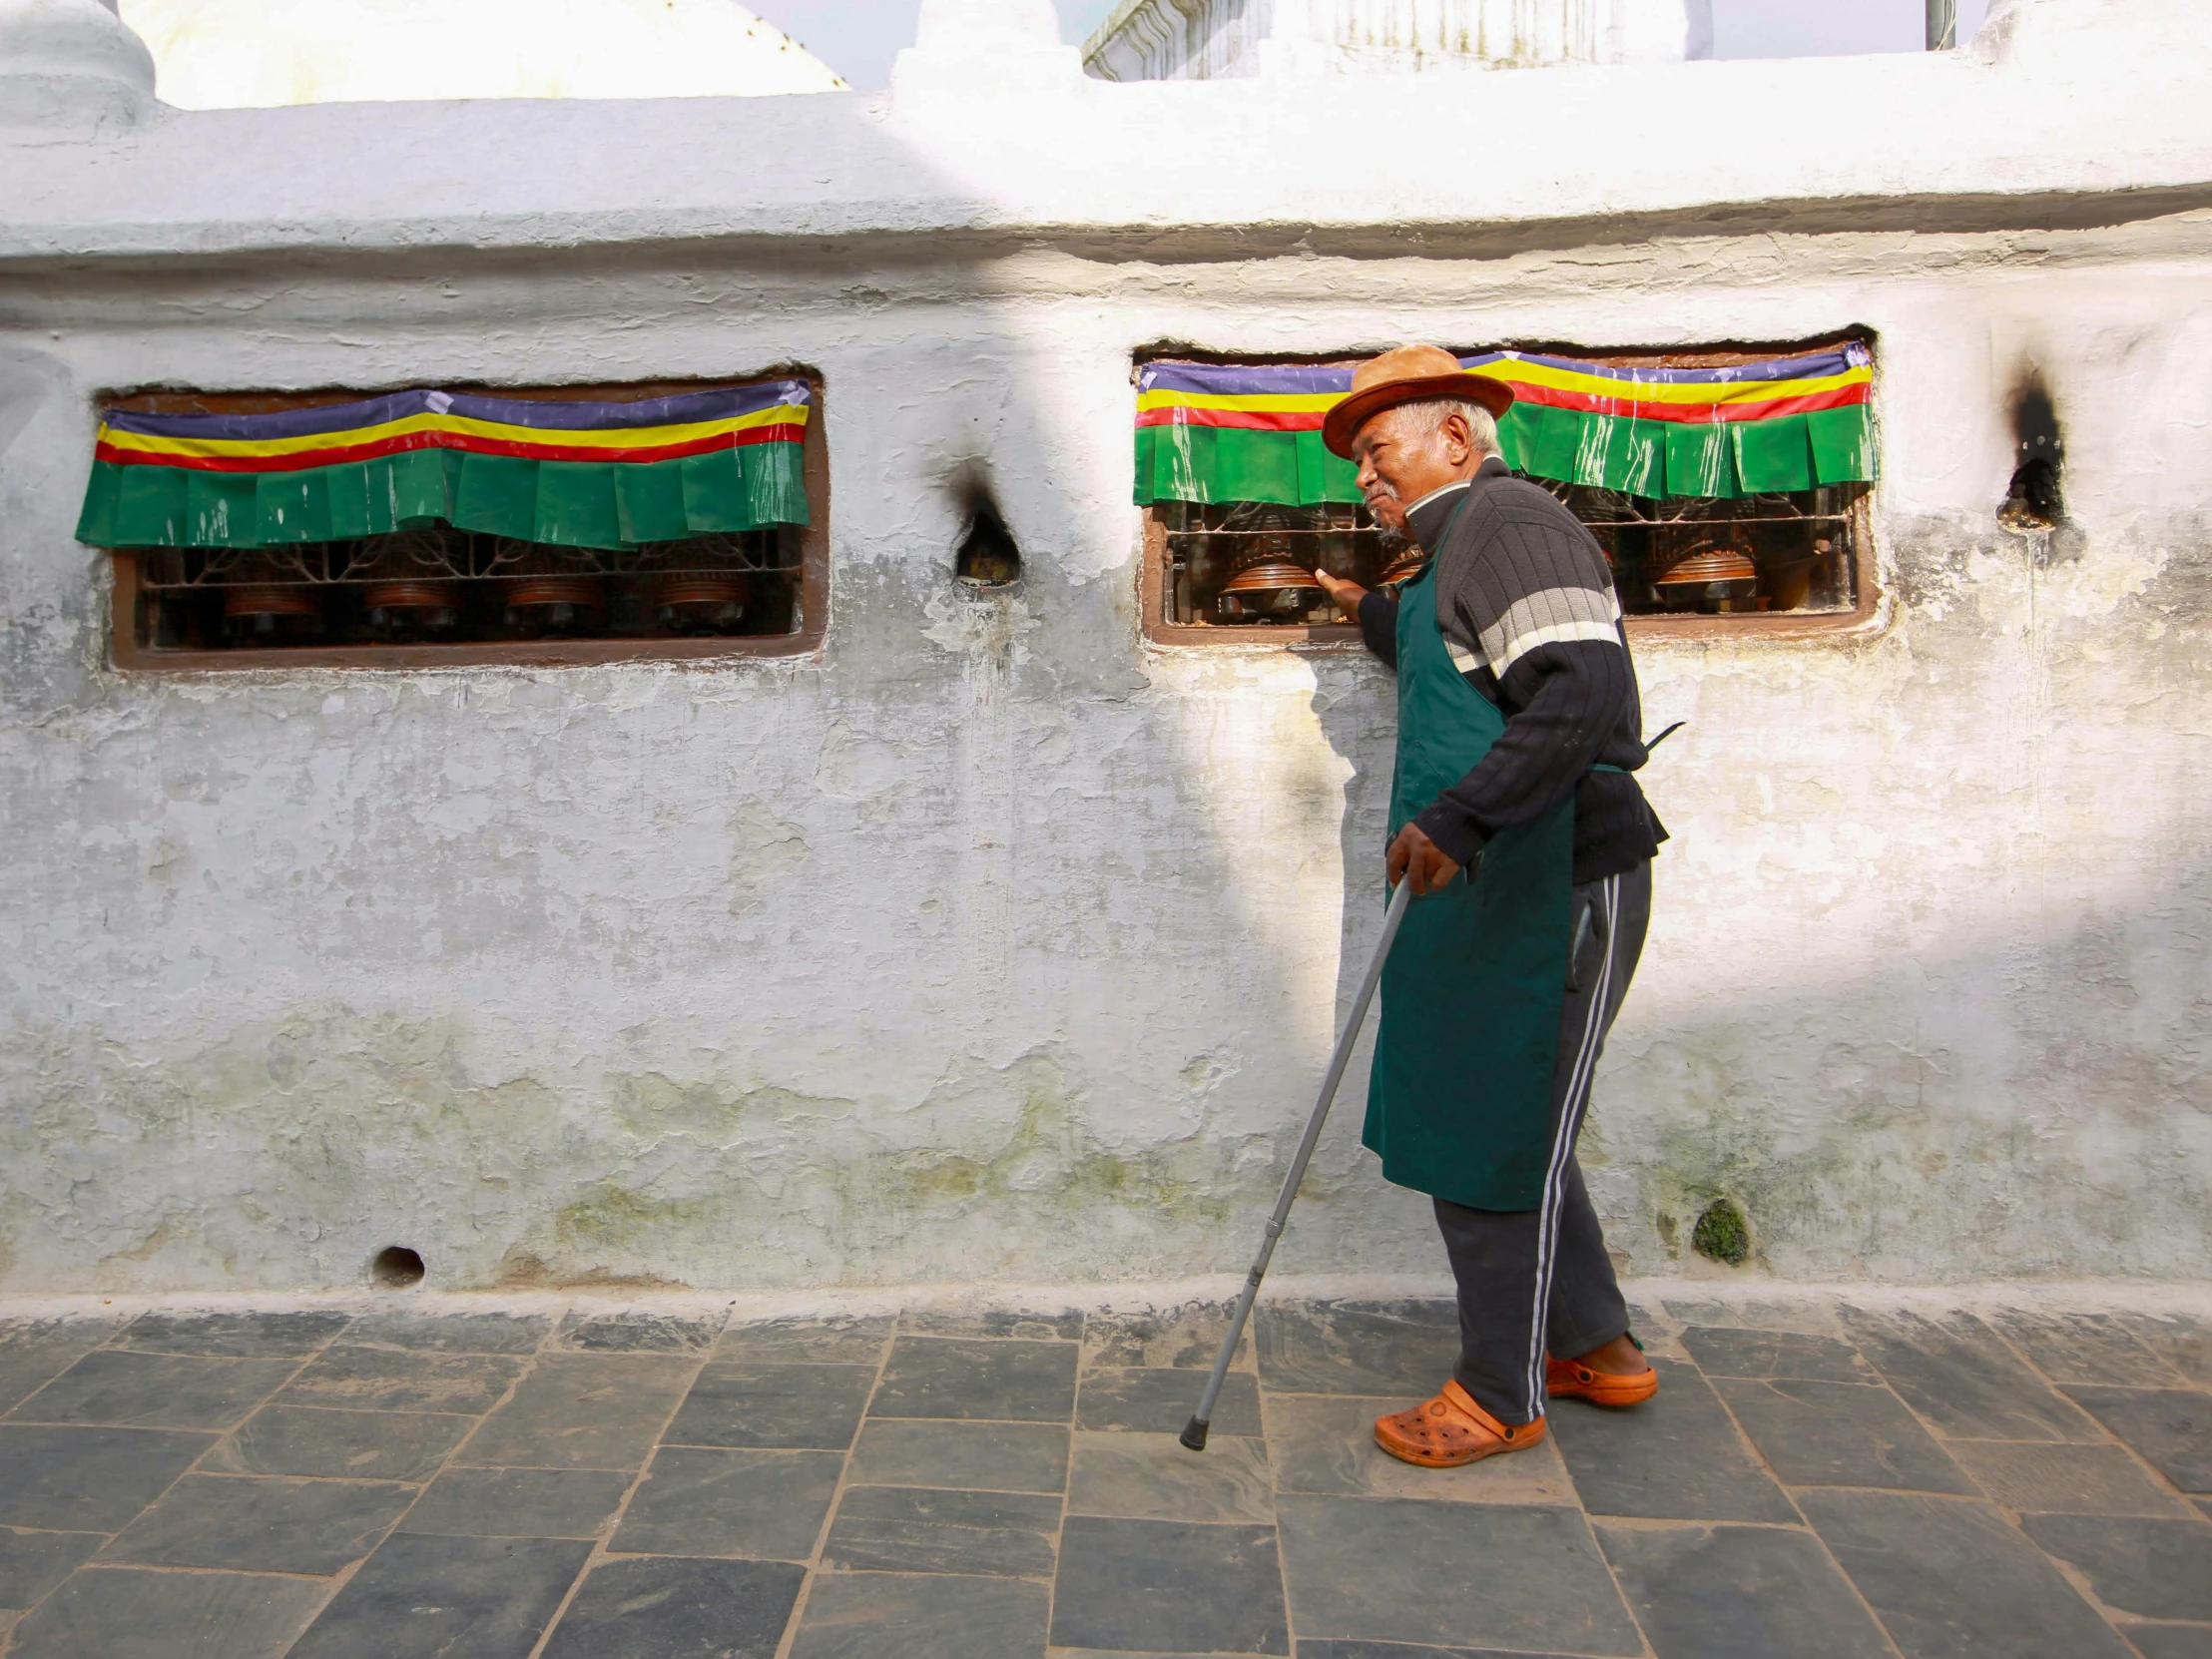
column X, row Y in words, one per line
column 1816, row 1479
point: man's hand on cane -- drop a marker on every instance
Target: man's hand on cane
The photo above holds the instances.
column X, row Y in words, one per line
column 1414, row 857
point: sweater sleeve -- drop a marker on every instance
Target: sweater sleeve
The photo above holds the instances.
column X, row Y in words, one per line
column 1568, row 698
column 1530, row 616
column 1379, row 625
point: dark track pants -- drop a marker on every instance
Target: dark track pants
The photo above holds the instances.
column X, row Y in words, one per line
column 1533, row 1280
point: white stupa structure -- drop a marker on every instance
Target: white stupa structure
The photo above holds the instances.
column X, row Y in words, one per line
column 239, row 54
column 1203, row 40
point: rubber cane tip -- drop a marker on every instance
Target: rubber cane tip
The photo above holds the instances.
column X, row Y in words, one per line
column 1194, row 1433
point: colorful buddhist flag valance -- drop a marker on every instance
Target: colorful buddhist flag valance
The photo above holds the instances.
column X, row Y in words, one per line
column 577, row 474
column 1208, row 432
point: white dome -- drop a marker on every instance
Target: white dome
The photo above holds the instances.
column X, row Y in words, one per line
column 239, row 54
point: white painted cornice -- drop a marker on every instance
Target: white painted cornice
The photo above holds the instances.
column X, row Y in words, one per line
column 2069, row 111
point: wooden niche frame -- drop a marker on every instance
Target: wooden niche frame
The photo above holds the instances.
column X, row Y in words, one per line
column 1156, row 565
column 812, row 587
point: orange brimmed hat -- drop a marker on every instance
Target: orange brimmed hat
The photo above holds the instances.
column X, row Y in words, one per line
column 1407, row 374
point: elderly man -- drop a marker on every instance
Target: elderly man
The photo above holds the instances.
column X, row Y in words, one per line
column 1515, row 816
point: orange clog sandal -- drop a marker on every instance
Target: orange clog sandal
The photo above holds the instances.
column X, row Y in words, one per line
column 1449, row 1431
column 1564, row 1379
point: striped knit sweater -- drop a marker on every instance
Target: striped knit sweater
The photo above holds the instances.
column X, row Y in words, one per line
column 1527, row 610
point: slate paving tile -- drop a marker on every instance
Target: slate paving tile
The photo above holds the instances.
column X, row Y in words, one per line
column 1064, row 1325
column 980, row 1456
column 1450, row 1575
column 1403, row 1650
column 2085, row 1347
column 693, row 1500
column 1183, row 1337
column 1325, row 1445
column 1357, row 1348
column 1739, row 1592
column 33, row 1353
column 678, row 1609
column 637, row 1334
column 882, row 1615
column 519, row 1504
column 2170, row 1641
column 1948, row 1579
column 829, row 1341
column 154, row 1390
column 2171, row 1428
column 1963, row 1380
column 1839, row 1434
column 2065, row 1480
column 583, row 1410
column 1153, row 1477
column 1018, row 1381
column 140, row 1613
column 1677, row 1456
column 381, row 1379
column 423, row 1597
column 1722, row 1351
column 2155, row 1570
column 88, row 1479
column 256, row 1525
column 921, row 1530
column 756, row 1404
column 355, row 1445
column 233, row 1336
column 1161, row 1399
column 2182, row 1342
column 1150, row 1586
column 30, row 1563
column 451, row 1333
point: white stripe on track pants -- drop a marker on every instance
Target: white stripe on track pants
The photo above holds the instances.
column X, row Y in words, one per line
column 1533, row 1280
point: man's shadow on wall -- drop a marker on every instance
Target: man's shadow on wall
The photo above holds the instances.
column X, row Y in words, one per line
column 1355, row 703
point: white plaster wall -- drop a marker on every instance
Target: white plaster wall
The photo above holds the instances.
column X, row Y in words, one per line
column 990, row 944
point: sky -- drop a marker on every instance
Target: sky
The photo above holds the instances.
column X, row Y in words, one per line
column 859, row 38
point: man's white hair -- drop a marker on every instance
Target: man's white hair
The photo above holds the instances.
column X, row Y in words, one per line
column 1426, row 418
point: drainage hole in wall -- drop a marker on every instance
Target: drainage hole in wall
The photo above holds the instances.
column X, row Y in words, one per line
column 1722, row 1234
column 987, row 556
column 2034, row 500
column 396, row 1268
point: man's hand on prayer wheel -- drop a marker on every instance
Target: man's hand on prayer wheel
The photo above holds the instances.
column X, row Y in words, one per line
column 1415, row 858
column 1345, row 596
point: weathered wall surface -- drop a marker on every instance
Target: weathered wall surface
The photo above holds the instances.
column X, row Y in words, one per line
column 991, row 943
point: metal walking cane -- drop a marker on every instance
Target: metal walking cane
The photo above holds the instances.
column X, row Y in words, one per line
column 1194, row 1432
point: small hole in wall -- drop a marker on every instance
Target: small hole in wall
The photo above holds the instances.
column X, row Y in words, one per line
column 2033, row 501
column 1722, row 1234
column 396, row 1268
column 987, row 556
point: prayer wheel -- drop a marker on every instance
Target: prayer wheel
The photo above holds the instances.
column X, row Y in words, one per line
column 260, row 613
column 413, row 607
column 709, row 604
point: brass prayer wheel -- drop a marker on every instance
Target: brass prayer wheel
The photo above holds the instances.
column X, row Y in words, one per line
column 1713, row 576
column 413, row 607
column 261, row 612
column 538, row 605
column 709, row 604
